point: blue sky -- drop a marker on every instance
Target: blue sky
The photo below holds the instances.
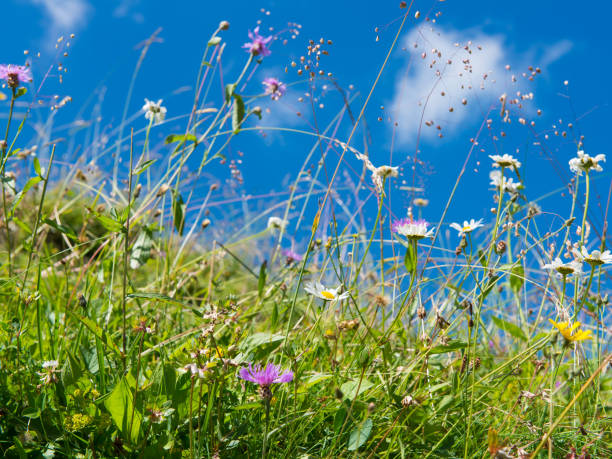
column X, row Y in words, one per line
column 565, row 41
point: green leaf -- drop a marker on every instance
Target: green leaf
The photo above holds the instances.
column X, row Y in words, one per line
column 155, row 296
column 96, row 330
column 229, row 91
column 517, row 278
column 351, row 389
column 61, row 228
column 140, row 168
column 511, row 328
column 71, row 371
column 258, row 339
column 450, row 347
column 237, row 113
column 489, row 286
column 21, row 92
column 262, row 279
column 141, row 251
column 178, row 210
column 360, row 435
column 120, row 405
column 180, row 138
column 29, row 184
column 410, row 259
column 109, row 223
column 37, row 167
column 214, row 41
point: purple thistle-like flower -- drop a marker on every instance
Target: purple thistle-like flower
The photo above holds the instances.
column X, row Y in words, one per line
column 15, row 74
column 292, row 256
column 258, row 44
column 265, row 376
column 274, row 88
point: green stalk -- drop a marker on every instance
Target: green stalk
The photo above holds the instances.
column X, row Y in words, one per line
column 472, row 342
column 3, row 160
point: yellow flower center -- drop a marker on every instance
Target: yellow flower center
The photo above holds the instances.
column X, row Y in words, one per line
column 327, row 295
column 467, row 228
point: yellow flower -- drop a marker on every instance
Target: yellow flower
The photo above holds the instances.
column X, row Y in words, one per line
column 571, row 333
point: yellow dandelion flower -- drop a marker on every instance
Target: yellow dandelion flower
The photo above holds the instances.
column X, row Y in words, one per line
column 571, row 332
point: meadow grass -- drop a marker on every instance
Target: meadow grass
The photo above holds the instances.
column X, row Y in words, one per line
column 136, row 324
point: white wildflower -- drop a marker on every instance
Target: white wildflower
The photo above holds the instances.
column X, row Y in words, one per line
column 584, row 162
column 505, row 160
column 595, row 258
column 154, row 111
column 467, row 227
column 564, row 269
column 329, row 294
column 508, row 184
column 275, row 223
column 412, row 229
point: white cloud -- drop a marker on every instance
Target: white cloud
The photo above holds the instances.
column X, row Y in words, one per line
column 555, row 52
column 419, row 87
column 66, row 16
column 475, row 77
column 126, row 8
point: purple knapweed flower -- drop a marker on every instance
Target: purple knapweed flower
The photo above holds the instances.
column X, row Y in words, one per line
column 258, row 44
column 274, row 88
column 265, row 377
column 412, row 229
column 14, row 75
column 291, row 256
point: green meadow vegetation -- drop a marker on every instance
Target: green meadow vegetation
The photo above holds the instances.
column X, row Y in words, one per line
column 135, row 322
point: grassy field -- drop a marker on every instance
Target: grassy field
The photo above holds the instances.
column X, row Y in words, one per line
column 135, row 324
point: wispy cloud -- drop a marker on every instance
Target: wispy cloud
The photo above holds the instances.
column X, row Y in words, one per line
column 452, row 76
column 127, row 8
column 65, row 16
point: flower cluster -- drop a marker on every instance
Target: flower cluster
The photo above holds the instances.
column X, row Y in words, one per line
column 291, row 256
column 258, row 44
column 329, row 294
column 505, row 160
column 274, row 88
column 154, row 111
column 508, row 184
column 467, row 227
column 14, row 75
column 571, row 332
column 564, row 269
column 379, row 174
column 48, row 375
column 412, row 229
column 584, row 162
column 277, row 223
column 265, row 377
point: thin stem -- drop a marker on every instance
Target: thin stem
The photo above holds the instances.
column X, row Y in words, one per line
column 3, row 160
column 125, row 252
column 265, row 437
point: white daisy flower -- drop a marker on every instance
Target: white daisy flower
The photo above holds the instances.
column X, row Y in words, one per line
column 564, row 269
column 277, row 223
column 329, row 294
column 412, row 229
column 595, row 258
column 505, row 160
column 584, row 162
column 154, row 111
column 467, row 227
column 508, row 184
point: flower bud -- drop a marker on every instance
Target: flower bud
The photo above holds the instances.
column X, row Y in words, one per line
column 224, row 25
